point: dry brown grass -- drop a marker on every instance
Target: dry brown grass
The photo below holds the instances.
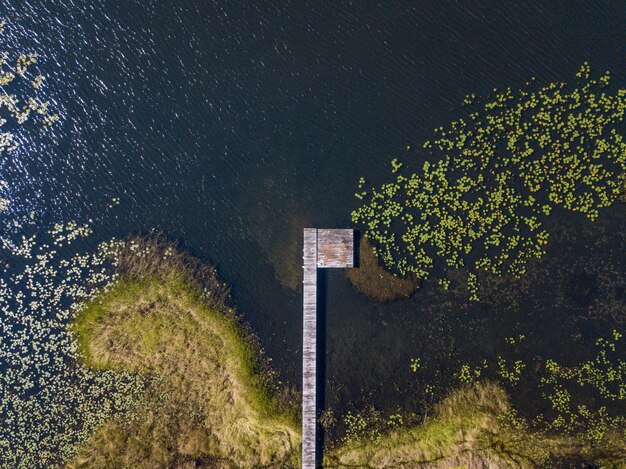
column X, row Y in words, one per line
column 373, row 281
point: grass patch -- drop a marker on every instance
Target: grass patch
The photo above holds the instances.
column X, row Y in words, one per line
column 212, row 403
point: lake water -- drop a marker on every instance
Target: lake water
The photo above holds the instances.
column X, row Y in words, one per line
column 232, row 125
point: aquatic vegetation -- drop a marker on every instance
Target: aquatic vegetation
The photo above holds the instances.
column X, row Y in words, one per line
column 515, row 340
column 512, row 373
column 370, row 425
column 356, row 426
column 4, row 203
column 416, row 364
column 20, row 101
column 373, row 281
column 466, row 430
column 49, row 402
column 485, row 186
column 468, row 375
column 587, row 399
column 114, row 201
column 604, row 376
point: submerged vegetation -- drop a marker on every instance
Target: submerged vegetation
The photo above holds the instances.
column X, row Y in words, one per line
column 374, row 281
column 481, row 200
column 212, row 402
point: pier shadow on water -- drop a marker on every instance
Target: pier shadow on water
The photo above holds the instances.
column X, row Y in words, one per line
column 357, row 249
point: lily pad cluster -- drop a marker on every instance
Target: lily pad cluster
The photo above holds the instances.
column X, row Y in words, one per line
column 587, row 398
column 486, row 184
column 50, row 402
column 20, row 101
column 17, row 102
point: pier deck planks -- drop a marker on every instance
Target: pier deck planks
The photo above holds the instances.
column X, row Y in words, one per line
column 323, row 248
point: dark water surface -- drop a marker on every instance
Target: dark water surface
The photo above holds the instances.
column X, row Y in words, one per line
column 232, row 125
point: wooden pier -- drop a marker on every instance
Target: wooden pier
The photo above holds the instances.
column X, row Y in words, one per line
column 323, row 248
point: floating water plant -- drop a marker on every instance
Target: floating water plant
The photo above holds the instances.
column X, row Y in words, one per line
column 586, row 399
column 49, row 401
column 17, row 102
column 481, row 197
column 20, row 101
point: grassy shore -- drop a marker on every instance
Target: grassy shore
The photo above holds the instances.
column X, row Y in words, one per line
column 211, row 404
column 212, row 401
column 470, row 429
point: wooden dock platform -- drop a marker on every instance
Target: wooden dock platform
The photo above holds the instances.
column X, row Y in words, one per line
column 323, row 248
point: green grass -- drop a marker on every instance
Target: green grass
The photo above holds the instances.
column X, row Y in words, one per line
column 459, row 429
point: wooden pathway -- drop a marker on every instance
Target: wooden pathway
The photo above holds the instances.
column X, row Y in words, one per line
column 323, row 248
